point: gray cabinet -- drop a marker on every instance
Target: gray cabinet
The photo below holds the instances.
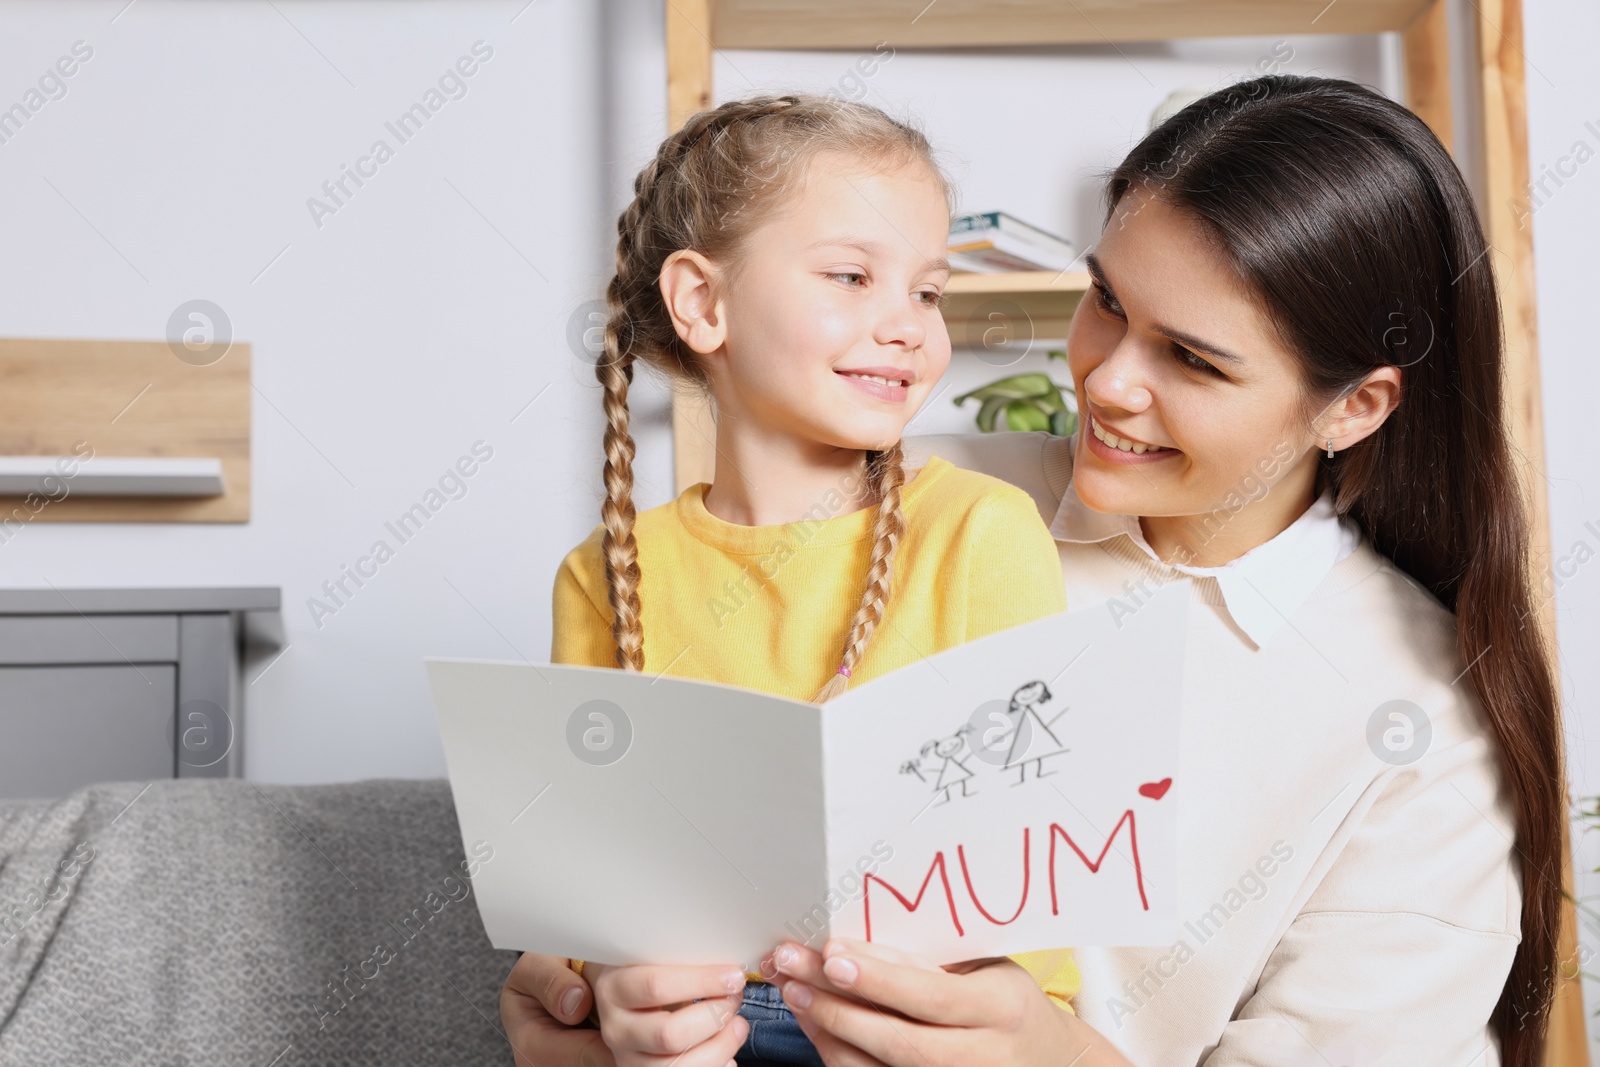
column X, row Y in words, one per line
column 125, row 684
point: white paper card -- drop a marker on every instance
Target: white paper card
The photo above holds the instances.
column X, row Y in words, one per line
column 1015, row 793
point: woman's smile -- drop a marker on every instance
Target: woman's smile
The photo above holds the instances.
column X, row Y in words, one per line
column 1114, row 448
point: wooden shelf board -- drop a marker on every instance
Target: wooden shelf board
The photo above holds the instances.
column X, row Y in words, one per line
column 822, row 24
column 1033, row 281
column 981, row 310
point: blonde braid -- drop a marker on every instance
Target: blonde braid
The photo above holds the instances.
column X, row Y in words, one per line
column 885, row 475
column 617, row 544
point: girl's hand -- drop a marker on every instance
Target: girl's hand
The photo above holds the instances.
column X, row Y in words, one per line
column 542, row 1005
column 652, row 1015
column 865, row 1005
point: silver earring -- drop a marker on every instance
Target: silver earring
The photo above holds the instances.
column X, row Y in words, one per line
column 1330, row 448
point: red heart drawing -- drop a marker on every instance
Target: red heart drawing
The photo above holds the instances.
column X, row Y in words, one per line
column 1155, row 790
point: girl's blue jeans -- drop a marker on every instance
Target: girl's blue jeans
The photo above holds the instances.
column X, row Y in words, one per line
column 775, row 1037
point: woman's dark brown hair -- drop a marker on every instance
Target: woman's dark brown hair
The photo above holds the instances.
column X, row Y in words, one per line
column 1351, row 224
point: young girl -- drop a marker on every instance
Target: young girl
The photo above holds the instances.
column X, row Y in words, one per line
column 787, row 254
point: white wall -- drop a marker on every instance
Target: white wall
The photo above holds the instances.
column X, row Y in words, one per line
column 416, row 321
column 1564, row 121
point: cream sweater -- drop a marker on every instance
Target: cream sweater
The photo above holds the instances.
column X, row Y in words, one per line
column 1348, row 889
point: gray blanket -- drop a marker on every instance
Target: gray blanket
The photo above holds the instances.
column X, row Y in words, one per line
column 219, row 922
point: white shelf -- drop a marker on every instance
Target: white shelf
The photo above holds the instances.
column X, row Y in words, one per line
column 111, row 476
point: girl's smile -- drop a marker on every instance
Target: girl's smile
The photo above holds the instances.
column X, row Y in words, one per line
column 885, row 383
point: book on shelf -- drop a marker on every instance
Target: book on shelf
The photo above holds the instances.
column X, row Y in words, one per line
column 991, row 242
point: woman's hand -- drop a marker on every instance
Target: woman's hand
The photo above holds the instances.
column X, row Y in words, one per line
column 652, row 1015
column 865, row 1005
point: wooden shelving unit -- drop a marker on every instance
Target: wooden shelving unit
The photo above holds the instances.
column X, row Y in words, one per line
column 695, row 29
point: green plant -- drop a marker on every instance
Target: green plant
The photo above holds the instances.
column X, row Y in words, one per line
column 1027, row 402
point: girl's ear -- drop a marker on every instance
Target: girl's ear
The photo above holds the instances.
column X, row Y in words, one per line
column 687, row 289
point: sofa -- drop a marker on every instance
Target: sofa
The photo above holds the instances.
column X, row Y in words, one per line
column 222, row 922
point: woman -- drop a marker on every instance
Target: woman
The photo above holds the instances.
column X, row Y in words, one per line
column 1289, row 377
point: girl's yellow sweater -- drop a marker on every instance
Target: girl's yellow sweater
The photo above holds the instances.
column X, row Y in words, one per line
column 769, row 607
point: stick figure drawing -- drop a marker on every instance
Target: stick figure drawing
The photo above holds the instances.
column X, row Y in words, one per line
column 1025, row 704
column 942, row 759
